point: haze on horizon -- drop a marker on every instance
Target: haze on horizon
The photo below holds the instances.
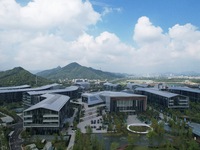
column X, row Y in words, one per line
column 116, row 36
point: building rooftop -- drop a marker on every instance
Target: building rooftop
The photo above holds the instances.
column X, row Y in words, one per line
column 110, row 84
column 137, row 84
column 113, row 94
column 29, row 89
column 185, row 89
column 119, row 94
column 68, row 89
column 157, row 92
column 15, row 87
column 53, row 102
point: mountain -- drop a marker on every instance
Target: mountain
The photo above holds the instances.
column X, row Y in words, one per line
column 19, row 76
column 74, row 71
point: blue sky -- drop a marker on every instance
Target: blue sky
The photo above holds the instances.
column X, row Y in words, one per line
column 131, row 36
column 163, row 13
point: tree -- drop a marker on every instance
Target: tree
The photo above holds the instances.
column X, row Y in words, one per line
column 151, row 136
column 192, row 145
column 169, row 146
column 38, row 142
column 55, row 138
column 131, row 139
column 88, row 130
column 114, row 145
column 61, row 137
column 165, row 118
column 67, row 125
column 24, row 134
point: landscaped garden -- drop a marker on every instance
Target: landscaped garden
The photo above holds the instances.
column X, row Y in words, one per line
column 139, row 128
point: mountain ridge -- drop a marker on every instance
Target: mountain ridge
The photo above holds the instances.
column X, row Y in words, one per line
column 19, row 76
column 75, row 70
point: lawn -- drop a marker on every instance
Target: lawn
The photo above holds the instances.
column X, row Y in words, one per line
column 139, row 128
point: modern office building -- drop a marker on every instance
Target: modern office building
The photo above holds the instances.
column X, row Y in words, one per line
column 193, row 94
column 117, row 101
column 9, row 95
column 163, row 98
column 112, row 87
column 133, row 86
column 33, row 97
column 84, row 85
column 47, row 116
column 92, row 99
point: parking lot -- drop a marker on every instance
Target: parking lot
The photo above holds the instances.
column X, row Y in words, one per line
column 91, row 119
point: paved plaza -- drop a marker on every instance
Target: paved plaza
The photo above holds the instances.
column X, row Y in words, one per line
column 133, row 119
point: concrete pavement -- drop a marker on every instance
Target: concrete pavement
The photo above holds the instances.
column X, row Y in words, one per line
column 15, row 141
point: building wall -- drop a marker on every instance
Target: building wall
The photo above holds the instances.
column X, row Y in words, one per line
column 173, row 102
column 45, row 121
column 128, row 104
column 29, row 100
column 193, row 96
column 41, row 118
column 10, row 97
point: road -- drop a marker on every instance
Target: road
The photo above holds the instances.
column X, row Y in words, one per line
column 14, row 140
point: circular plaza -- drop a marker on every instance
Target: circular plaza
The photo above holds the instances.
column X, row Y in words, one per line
column 139, row 128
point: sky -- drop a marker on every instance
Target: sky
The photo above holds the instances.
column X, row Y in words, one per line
column 124, row 36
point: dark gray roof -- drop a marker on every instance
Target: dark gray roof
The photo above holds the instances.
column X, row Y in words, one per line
column 185, row 89
column 119, row 94
column 15, row 87
column 113, row 94
column 195, row 128
column 29, row 89
column 157, row 92
column 68, row 89
column 52, row 102
column 110, row 84
column 136, row 84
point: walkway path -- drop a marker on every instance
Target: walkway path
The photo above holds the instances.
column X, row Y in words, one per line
column 70, row 131
column 15, row 141
column 133, row 119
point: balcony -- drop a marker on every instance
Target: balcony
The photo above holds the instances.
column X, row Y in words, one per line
column 26, row 116
column 50, row 115
column 50, row 120
column 28, row 120
column 41, row 125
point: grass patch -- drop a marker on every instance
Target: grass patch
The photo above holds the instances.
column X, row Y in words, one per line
column 61, row 145
column 139, row 128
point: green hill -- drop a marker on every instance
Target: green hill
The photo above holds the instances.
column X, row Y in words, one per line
column 74, row 71
column 20, row 76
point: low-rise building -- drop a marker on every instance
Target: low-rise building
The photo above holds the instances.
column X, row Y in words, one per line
column 193, row 94
column 117, row 101
column 163, row 98
column 33, row 97
column 15, row 94
column 133, row 86
column 47, row 116
column 112, row 87
column 83, row 85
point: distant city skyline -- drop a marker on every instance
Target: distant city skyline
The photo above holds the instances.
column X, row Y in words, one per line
column 127, row 36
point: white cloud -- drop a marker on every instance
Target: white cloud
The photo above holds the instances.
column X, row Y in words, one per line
column 107, row 10
column 63, row 17
column 48, row 33
column 146, row 32
column 164, row 51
